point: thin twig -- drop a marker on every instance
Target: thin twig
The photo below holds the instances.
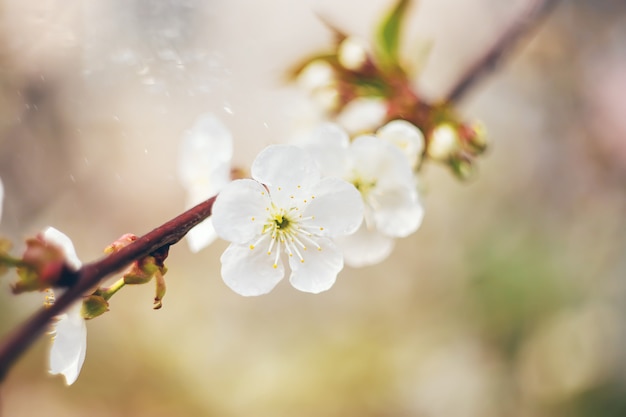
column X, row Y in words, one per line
column 90, row 275
column 504, row 44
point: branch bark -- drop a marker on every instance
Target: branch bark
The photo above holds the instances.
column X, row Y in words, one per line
column 90, row 275
column 488, row 61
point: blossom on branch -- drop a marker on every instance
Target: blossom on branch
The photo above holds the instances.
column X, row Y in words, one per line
column 204, row 167
column 285, row 211
column 384, row 178
column 69, row 332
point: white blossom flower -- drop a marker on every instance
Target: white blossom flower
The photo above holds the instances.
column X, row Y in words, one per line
column 69, row 333
column 286, row 211
column 406, row 137
column 204, row 167
column 363, row 115
column 381, row 173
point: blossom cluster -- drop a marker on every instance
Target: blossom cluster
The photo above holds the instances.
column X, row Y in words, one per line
column 312, row 205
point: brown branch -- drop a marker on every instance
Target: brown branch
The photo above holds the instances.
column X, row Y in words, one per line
column 90, row 275
column 504, row 44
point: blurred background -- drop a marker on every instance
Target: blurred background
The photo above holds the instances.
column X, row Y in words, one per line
column 507, row 302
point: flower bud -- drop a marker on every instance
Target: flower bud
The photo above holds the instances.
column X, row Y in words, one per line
column 476, row 137
column 121, row 242
column 463, row 168
column 443, row 143
column 407, row 137
column 317, row 74
column 363, row 115
column 94, row 306
column 352, row 53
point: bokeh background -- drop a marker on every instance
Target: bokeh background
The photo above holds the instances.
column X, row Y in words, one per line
column 507, row 302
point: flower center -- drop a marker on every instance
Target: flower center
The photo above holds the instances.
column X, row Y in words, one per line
column 363, row 185
column 288, row 229
column 281, row 222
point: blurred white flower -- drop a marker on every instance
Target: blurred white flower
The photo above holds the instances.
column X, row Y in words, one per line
column 406, row 137
column 382, row 174
column 443, row 143
column 69, row 333
column 204, row 167
column 363, row 115
column 317, row 74
column 286, row 211
column 352, row 53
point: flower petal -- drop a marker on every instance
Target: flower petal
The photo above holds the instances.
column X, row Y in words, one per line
column 285, row 166
column 58, row 238
column 328, row 145
column 318, row 272
column 69, row 344
column 375, row 159
column 398, row 212
column 337, row 208
column 201, row 236
column 239, row 211
column 365, row 247
column 206, row 147
column 250, row 272
column 363, row 115
column 406, row 137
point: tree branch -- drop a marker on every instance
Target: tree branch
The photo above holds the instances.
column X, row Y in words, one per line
column 90, row 275
column 504, row 44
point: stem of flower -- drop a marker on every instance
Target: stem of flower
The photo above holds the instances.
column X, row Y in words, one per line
column 89, row 276
column 107, row 293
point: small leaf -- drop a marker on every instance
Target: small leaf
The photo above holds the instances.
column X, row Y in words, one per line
column 388, row 34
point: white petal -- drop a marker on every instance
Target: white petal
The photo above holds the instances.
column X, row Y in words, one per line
column 378, row 160
column 201, row 236
column 285, row 166
column 406, row 136
column 363, row 115
column 250, row 272
column 398, row 212
column 337, row 208
column 365, row 247
column 319, row 270
column 205, row 148
column 69, row 344
column 328, row 144
column 239, row 211
column 58, row 238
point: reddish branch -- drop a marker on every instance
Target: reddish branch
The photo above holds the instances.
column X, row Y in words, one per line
column 90, row 275
column 503, row 45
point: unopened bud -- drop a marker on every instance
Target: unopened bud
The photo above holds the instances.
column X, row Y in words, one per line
column 479, row 138
column 406, row 136
column 352, row 53
column 326, row 98
column 94, row 306
column 120, row 243
column 317, row 74
column 363, row 115
column 463, row 168
column 443, row 143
